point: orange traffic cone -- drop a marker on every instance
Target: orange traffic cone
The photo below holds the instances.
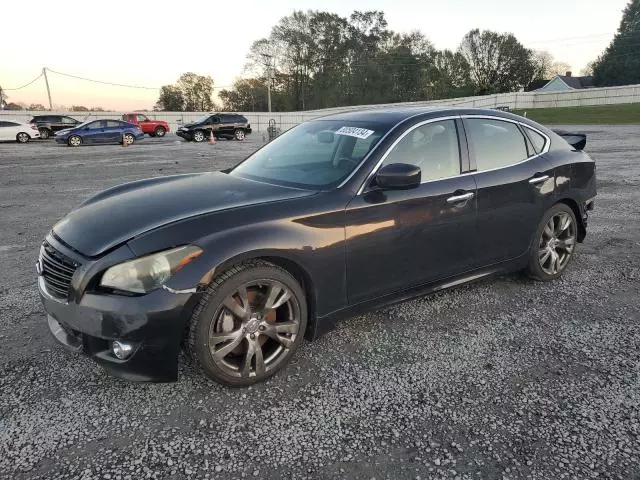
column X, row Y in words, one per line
column 124, row 141
column 212, row 139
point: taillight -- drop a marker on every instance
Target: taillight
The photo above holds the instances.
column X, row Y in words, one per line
column 33, row 127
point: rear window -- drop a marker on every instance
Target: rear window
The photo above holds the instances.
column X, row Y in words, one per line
column 537, row 140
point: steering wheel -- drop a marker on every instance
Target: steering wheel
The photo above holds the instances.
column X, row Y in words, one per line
column 337, row 162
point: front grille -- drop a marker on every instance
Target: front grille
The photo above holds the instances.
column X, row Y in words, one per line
column 57, row 271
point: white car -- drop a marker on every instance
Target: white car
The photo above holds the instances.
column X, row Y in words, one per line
column 17, row 132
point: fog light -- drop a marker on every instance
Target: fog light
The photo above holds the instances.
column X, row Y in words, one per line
column 121, row 349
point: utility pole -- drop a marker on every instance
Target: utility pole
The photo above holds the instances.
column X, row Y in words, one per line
column 46, row 80
column 1, row 100
column 268, row 65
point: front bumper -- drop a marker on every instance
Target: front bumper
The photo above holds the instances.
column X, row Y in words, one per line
column 153, row 323
column 184, row 134
column 60, row 139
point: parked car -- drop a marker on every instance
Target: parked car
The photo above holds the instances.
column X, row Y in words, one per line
column 334, row 217
column 100, row 132
column 222, row 125
column 153, row 128
column 17, row 132
column 50, row 124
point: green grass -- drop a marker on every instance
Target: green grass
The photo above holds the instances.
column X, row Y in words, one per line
column 602, row 114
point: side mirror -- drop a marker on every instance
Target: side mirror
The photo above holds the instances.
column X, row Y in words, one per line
column 398, row 176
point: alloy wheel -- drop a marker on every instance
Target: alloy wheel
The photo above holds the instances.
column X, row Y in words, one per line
column 129, row 138
column 557, row 243
column 254, row 328
column 44, row 134
column 239, row 134
column 75, row 141
column 160, row 132
column 198, row 136
column 23, row 137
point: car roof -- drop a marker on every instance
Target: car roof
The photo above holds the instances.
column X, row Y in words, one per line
column 390, row 116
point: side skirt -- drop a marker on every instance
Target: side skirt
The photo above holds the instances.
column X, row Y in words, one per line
column 328, row 322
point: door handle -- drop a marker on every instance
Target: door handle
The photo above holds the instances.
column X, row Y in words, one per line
column 460, row 198
column 537, row 180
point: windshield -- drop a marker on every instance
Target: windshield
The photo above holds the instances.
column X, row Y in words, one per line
column 80, row 125
column 317, row 155
column 203, row 119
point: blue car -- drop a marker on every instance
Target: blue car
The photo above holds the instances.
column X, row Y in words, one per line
column 96, row 132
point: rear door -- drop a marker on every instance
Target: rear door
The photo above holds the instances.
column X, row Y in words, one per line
column 7, row 131
column 113, row 131
column 227, row 125
column 513, row 184
column 397, row 239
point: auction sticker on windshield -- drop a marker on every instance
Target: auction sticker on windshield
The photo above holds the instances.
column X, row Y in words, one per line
column 354, row 132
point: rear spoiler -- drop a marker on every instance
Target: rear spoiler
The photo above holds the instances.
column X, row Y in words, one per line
column 576, row 140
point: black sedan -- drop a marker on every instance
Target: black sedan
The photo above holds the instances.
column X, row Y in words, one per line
column 337, row 216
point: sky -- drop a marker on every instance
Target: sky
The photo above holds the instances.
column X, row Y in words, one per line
column 151, row 44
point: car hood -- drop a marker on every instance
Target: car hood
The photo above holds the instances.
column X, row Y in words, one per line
column 189, row 125
column 61, row 133
column 121, row 213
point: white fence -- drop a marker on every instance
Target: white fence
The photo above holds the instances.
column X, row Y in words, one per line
column 284, row 120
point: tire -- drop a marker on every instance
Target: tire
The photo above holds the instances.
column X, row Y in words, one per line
column 74, row 141
column 198, row 136
column 159, row 132
column 44, row 133
column 130, row 139
column 22, row 137
column 554, row 243
column 267, row 337
column 239, row 134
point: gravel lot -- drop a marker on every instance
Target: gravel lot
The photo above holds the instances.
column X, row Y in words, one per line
column 505, row 378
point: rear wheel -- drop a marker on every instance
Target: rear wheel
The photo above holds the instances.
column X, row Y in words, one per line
column 160, row 132
column 198, row 136
column 248, row 324
column 44, row 133
column 74, row 141
column 22, row 137
column 239, row 134
column 555, row 243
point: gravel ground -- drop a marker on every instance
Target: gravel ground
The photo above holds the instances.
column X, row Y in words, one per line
column 505, row 378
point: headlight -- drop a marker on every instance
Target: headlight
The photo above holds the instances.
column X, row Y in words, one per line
column 148, row 273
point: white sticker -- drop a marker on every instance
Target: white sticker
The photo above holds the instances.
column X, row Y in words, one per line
column 354, row 132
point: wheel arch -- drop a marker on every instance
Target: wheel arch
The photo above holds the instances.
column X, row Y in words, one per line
column 293, row 267
column 571, row 203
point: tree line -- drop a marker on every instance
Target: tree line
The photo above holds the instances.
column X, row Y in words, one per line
column 318, row 59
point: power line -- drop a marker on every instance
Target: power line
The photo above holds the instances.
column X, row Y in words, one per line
column 25, row 85
column 103, row 82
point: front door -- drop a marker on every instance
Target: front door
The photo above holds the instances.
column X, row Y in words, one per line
column 514, row 183
column 402, row 238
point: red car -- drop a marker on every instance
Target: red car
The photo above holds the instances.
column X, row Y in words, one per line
column 154, row 128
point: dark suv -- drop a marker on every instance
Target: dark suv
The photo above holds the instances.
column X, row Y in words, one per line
column 50, row 124
column 226, row 125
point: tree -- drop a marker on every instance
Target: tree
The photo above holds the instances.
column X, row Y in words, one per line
column 453, row 77
column 170, row 100
column 498, row 62
column 36, row 106
column 97, row 109
column 79, row 108
column 15, row 106
column 620, row 62
column 191, row 93
column 247, row 95
column 587, row 71
column 196, row 91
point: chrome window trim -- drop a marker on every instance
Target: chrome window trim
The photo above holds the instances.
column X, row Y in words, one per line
column 391, row 147
column 366, row 157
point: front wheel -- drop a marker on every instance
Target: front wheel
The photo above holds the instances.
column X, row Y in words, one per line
column 22, row 137
column 198, row 136
column 555, row 243
column 128, row 138
column 44, row 133
column 74, row 141
column 160, row 132
column 239, row 134
column 248, row 324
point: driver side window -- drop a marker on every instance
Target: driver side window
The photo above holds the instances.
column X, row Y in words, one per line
column 433, row 147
